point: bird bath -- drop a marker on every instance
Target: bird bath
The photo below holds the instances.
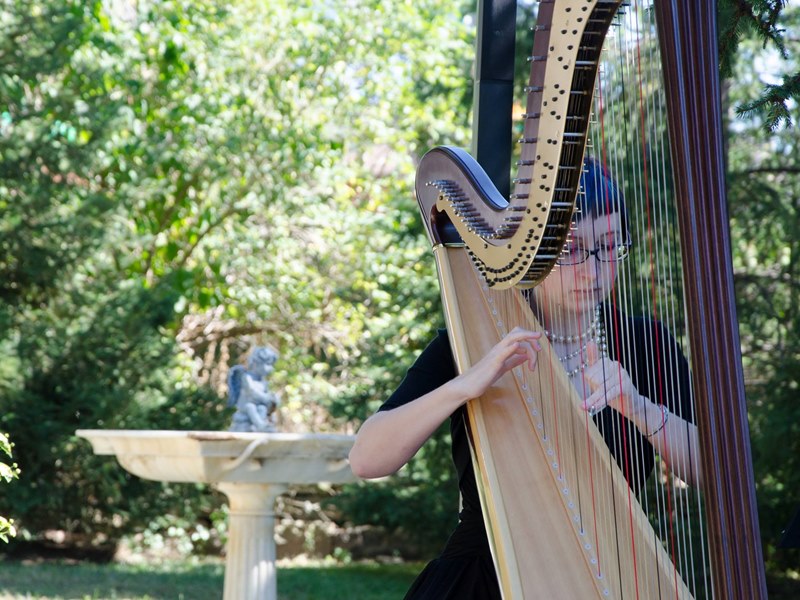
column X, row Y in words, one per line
column 251, row 469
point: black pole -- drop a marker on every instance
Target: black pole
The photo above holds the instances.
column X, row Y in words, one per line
column 494, row 90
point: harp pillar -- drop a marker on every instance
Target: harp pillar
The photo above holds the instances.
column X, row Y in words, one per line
column 494, row 90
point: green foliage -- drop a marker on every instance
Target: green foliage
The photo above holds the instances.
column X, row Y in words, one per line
column 764, row 196
column 51, row 130
column 422, row 501
column 178, row 161
column 249, row 167
column 96, row 358
column 743, row 20
column 7, row 473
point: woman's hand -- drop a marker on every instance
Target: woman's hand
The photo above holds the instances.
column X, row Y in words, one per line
column 516, row 348
column 609, row 385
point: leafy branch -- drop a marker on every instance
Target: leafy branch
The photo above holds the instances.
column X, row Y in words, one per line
column 740, row 19
column 773, row 102
column 7, row 473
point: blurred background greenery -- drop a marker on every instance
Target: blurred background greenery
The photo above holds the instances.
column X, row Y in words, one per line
column 181, row 180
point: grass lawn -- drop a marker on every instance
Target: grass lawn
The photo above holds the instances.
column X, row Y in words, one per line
column 195, row 581
column 203, row 581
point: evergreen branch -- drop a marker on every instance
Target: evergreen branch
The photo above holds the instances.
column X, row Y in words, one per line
column 773, row 102
column 731, row 32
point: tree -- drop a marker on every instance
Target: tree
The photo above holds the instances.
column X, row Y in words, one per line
column 742, row 21
column 182, row 157
column 58, row 115
column 764, row 189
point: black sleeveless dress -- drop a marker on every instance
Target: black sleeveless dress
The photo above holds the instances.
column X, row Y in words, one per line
column 465, row 570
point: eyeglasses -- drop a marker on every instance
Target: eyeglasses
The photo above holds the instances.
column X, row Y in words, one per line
column 609, row 252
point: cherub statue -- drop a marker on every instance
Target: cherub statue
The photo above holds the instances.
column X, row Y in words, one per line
column 248, row 391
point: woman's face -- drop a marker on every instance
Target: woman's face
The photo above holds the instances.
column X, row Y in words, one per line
column 576, row 289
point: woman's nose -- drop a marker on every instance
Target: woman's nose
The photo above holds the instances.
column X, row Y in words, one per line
column 589, row 269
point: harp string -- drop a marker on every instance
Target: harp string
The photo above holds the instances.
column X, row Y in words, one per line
column 668, row 315
column 659, row 299
column 676, row 321
column 626, row 68
column 643, row 200
column 636, row 76
column 510, row 307
column 607, row 153
column 679, row 529
column 597, row 493
column 651, row 292
column 648, row 285
column 602, row 503
column 560, row 320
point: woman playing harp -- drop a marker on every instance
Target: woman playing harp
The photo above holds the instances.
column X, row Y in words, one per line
column 630, row 372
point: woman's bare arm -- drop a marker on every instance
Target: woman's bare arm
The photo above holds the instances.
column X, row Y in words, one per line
column 389, row 439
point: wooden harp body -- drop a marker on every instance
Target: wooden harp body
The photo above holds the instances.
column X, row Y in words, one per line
column 562, row 519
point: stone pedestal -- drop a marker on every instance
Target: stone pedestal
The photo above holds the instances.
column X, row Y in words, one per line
column 250, row 563
column 251, row 469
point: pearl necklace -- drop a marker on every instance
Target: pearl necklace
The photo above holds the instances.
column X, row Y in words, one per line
column 594, row 333
column 583, row 337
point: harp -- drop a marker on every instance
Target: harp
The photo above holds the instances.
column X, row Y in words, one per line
column 562, row 518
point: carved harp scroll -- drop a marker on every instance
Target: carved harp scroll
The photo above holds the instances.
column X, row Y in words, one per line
column 534, row 488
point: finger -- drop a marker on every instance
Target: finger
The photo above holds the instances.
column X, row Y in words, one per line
column 515, row 348
column 509, row 357
column 518, row 334
column 603, row 398
column 527, row 352
column 592, row 352
column 599, row 399
column 518, row 328
column 590, row 404
column 533, row 349
column 529, row 340
column 593, row 379
column 593, row 407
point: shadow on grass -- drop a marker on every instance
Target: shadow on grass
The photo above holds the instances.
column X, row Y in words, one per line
column 193, row 581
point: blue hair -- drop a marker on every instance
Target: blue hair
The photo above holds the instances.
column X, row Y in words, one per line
column 600, row 195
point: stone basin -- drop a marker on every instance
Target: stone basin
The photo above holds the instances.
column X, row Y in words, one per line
column 221, row 456
column 251, row 469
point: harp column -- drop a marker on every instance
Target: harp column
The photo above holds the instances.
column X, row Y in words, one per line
column 494, row 90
